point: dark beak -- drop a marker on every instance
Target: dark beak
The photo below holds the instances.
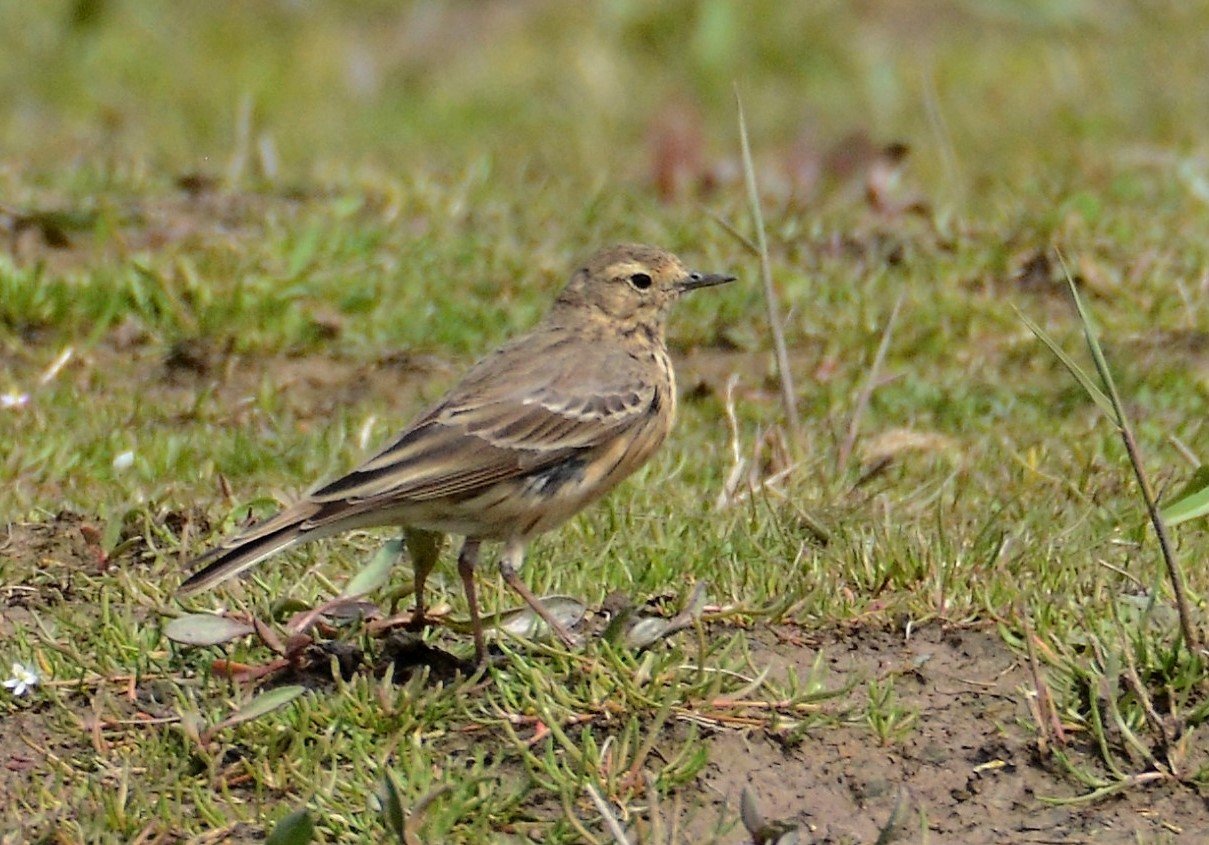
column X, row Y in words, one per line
column 703, row 280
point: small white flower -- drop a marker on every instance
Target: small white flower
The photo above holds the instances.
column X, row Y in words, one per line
column 23, row 680
column 13, row 400
column 124, row 460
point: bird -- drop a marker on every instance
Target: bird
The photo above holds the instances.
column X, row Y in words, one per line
column 533, row 433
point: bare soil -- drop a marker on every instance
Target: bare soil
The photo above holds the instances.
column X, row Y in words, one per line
column 969, row 764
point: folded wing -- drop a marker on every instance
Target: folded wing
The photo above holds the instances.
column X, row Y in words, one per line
column 486, row 430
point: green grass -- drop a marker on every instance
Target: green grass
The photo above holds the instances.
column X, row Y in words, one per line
column 439, row 172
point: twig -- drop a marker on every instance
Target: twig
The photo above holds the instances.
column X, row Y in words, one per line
column 862, row 402
column 1137, row 582
column 731, row 486
column 1134, row 680
column 56, row 366
column 788, row 395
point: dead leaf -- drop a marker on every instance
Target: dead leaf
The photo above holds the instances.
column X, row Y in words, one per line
column 895, row 442
column 1036, row 274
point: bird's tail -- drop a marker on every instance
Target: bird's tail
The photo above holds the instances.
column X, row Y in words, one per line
column 288, row 528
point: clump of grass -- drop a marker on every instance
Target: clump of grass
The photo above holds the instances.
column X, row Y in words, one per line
column 1140, row 700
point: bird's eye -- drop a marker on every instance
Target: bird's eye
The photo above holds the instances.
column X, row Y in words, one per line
column 642, row 281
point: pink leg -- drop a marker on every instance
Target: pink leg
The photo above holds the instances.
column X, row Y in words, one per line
column 510, row 561
column 467, row 559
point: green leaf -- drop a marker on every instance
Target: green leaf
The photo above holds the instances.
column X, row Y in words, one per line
column 394, row 816
column 261, row 705
column 202, row 629
column 1093, row 343
column 1191, row 502
column 376, row 572
column 304, row 251
column 295, row 829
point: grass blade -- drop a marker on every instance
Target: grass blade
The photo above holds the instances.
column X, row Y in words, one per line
column 1081, row 375
column 862, row 402
column 1193, row 500
column 788, row 394
column 1174, row 574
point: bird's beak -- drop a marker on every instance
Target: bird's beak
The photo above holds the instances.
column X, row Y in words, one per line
column 703, row 280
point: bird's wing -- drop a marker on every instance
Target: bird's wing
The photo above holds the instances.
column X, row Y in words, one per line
column 514, row 413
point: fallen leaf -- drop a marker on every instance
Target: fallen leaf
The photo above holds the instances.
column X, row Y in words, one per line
column 524, row 621
column 895, row 442
column 205, row 629
column 260, row 705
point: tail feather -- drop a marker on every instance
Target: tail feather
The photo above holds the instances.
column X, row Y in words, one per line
column 305, row 521
column 227, row 561
column 245, row 550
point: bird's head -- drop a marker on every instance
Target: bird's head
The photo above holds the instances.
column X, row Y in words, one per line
column 631, row 285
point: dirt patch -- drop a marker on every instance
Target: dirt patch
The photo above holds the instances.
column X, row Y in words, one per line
column 58, row 549
column 65, row 235
column 64, row 537
column 29, row 751
column 171, row 378
column 967, row 762
column 311, row 386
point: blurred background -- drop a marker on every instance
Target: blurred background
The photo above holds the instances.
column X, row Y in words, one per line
column 993, row 97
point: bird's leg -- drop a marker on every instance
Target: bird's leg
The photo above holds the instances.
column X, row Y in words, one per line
column 510, row 561
column 425, row 550
column 467, row 559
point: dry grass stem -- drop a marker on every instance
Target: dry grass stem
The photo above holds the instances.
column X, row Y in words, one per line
column 788, row 394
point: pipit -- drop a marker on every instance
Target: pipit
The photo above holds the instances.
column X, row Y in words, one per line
column 540, row 428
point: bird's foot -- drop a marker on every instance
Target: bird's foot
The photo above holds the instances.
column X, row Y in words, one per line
column 419, row 621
